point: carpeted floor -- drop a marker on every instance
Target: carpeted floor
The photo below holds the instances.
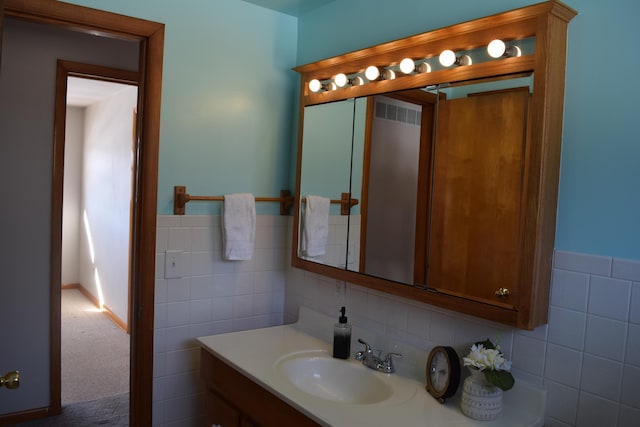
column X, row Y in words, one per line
column 95, row 352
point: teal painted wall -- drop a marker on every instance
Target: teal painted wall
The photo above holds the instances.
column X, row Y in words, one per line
column 599, row 200
column 227, row 98
column 226, row 131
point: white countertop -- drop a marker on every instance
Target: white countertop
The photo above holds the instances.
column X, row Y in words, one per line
column 256, row 352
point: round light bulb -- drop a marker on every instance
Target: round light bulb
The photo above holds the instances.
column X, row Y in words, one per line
column 331, row 86
column 315, row 85
column 447, row 58
column 340, row 79
column 357, row 81
column 513, row 51
column 424, row 67
column 372, row 72
column 496, row 48
column 389, row 74
column 465, row 60
column 407, row 65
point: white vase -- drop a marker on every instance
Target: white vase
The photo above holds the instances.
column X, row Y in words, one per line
column 480, row 399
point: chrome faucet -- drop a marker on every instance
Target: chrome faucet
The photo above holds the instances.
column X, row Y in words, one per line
column 370, row 360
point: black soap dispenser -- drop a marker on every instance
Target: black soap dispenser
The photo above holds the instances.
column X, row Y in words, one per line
column 342, row 337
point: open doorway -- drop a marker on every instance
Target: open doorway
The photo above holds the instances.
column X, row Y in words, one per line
column 96, row 238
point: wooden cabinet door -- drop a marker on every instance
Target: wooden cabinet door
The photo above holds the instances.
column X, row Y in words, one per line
column 478, row 195
column 219, row 413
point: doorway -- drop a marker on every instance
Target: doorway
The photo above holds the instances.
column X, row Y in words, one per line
column 99, row 148
column 40, row 397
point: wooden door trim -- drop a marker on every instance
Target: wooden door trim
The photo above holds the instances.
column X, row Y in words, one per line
column 150, row 35
column 67, row 69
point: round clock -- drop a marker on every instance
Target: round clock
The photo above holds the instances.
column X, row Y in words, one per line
column 443, row 372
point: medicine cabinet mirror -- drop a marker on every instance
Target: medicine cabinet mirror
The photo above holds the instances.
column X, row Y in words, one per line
column 454, row 171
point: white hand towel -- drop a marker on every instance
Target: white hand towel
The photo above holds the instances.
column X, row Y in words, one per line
column 316, row 226
column 238, row 226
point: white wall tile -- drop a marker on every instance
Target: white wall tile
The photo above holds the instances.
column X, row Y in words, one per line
column 567, row 327
column 626, row 269
column 160, row 315
column 442, row 329
column 178, row 313
column 243, row 283
column 242, row 306
column 563, row 365
column 594, row 411
column 223, row 285
column 160, row 293
column 164, row 221
column 178, row 338
column 562, row 402
column 552, row 422
column 601, row 377
column 261, row 304
column 178, row 289
column 200, row 330
column 199, row 220
column 204, row 239
column 583, row 263
column 606, row 338
column 162, row 239
column 179, row 239
column 418, row 320
column 634, row 311
column 630, row 384
column 609, row 297
column 570, row 290
column 633, row 345
column 222, row 308
column 528, row 354
column 181, row 361
column 201, row 287
column 201, row 263
column 628, row 416
column 200, row 310
column 468, row 332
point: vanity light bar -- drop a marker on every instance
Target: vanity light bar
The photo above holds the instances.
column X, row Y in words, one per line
column 496, row 49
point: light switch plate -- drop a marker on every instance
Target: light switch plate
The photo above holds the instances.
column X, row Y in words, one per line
column 173, row 261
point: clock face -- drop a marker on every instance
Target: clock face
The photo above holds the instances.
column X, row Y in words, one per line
column 443, row 372
column 439, row 371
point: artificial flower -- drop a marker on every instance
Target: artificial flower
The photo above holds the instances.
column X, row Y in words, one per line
column 487, row 357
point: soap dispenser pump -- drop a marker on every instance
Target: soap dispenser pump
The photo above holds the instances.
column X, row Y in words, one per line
column 342, row 337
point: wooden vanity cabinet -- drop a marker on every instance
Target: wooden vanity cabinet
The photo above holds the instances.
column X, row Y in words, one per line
column 233, row 400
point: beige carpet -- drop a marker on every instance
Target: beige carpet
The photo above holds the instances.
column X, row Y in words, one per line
column 95, row 352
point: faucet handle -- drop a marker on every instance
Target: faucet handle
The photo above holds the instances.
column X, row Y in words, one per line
column 387, row 365
column 367, row 349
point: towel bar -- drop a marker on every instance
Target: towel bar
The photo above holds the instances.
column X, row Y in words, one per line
column 181, row 198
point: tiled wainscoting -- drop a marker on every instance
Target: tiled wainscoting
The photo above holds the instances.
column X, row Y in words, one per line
column 587, row 357
column 213, row 296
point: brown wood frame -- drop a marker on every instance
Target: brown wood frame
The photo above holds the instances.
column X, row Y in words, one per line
column 547, row 22
column 150, row 35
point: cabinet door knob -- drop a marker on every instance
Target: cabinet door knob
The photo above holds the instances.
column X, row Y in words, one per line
column 10, row 380
column 502, row 292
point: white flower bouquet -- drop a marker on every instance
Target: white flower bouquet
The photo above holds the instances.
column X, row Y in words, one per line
column 487, row 357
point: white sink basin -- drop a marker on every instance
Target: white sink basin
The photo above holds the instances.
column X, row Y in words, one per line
column 319, row 374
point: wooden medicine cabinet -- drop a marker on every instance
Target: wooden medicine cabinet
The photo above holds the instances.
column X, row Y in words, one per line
column 455, row 168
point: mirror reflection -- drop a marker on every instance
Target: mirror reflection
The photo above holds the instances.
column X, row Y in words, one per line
column 437, row 173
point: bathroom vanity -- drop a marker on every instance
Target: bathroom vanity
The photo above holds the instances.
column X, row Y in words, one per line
column 285, row 376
